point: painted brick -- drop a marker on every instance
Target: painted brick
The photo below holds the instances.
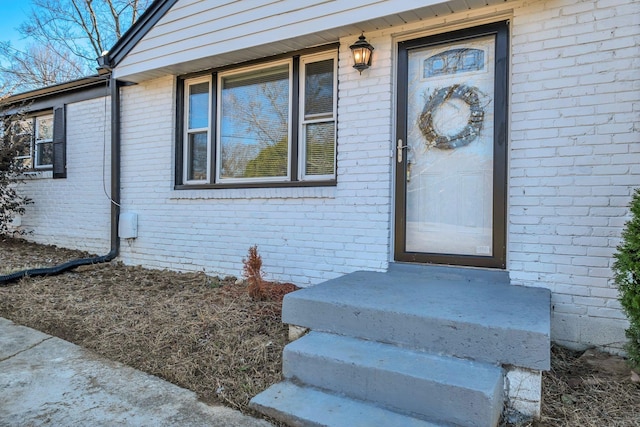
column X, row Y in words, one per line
column 304, row 239
column 524, row 389
column 595, row 152
column 569, row 308
column 573, row 163
column 75, row 212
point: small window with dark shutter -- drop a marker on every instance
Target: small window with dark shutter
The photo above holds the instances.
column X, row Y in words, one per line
column 59, row 143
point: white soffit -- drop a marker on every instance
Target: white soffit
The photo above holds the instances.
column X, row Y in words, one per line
column 164, row 51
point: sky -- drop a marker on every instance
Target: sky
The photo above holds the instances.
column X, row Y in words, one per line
column 12, row 14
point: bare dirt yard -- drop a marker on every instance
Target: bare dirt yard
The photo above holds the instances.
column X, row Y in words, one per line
column 206, row 334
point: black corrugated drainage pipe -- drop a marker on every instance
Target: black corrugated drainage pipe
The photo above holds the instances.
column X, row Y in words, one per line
column 115, row 203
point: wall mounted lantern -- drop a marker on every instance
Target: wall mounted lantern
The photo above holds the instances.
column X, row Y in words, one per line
column 361, row 54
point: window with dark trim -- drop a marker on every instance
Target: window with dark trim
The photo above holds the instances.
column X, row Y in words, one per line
column 42, row 140
column 272, row 123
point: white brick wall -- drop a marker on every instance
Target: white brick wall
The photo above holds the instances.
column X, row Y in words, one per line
column 74, row 212
column 305, row 235
column 574, row 157
column 573, row 163
column 574, row 150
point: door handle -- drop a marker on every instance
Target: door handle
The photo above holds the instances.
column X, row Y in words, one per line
column 400, row 147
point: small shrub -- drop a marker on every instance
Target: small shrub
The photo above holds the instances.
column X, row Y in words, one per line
column 252, row 271
column 258, row 288
column 626, row 270
column 12, row 145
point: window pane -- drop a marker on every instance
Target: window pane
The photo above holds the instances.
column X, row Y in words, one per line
column 199, row 106
column 22, row 144
column 320, row 152
column 318, row 87
column 44, row 154
column 45, row 128
column 197, row 156
column 21, row 135
column 254, row 124
column 23, row 127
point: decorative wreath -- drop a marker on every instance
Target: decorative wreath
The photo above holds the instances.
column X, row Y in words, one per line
column 468, row 133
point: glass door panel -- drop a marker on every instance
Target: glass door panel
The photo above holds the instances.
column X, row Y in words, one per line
column 450, row 148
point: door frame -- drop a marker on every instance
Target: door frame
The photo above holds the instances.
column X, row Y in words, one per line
column 501, row 98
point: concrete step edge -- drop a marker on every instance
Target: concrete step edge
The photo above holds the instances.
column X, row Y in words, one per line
column 310, row 407
column 392, row 358
column 366, row 306
column 400, row 379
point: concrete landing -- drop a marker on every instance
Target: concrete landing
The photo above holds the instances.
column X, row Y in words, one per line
column 466, row 313
column 46, row 381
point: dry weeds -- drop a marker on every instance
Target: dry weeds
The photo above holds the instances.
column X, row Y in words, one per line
column 589, row 389
column 196, row 331
column 206, row 334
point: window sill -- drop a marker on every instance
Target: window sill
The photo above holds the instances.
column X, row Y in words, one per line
column 328, row 183
column 37, row 174
column 285, row 190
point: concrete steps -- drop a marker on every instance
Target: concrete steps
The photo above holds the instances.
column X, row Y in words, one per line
column 462, row 313
column 310, row 407
column 409, row 382
column 427, row 343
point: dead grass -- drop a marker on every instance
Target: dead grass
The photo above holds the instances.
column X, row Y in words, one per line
column 206, row 334
column 589, row 389
column 196, row 331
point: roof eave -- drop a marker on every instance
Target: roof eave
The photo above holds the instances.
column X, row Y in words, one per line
column 135, row 33
column 83, row 83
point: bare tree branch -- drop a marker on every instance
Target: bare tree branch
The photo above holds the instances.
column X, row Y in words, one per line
column 135, row 11
column 38, row 66
column 116, row 19
column 77, row 30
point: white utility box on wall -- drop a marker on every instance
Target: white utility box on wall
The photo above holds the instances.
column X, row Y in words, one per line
column 128, row 225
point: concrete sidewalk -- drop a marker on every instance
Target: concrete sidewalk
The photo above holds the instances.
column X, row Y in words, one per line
column 46, row 381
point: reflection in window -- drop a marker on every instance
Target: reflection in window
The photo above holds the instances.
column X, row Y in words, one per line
column 197, row 156
column 197, row 130
column 22, row 137
column 318, row 119
column 254, row 123
column 44, row 141
column 454, row 61
column 259, row 132
column 199, row 105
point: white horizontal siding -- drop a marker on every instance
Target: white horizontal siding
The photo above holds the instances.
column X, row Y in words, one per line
column 191, row 30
